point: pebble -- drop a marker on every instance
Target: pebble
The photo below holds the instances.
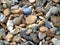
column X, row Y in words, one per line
column 40, row 43
column 50, row 33
column 57, row 37
column 43, row 29
column 1, row 42
column 34, row 37
column 31, row 19
column 17, row 20
column 41, row 35
column 16, row 11
column 32, row 1
column 48, row 38
column 2, row 17
column 9, row 37
column 2, row 32
column 28, row 31
column 56, row 1
column 17, row 38
column 7, row 12
column 5, row 5
column 55, row 20
column 27, row 11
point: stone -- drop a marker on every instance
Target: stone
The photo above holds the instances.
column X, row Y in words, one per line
column 31, row 19
column 27, row 11
column 17, row 38
column 28, row 31
column 0, row 37
column 17, row 20
column 41, row 35
column 2, row 17
column 57, row 37
column 48, row 38
column 16, row 11
column 5, row 5
column 50, row 33
column 56, row 41
column 43, row 29
column 6, row 42
column 56, row 1
column 7, row 12
column 34, row 37
column 9, row 37
column 1, row 42
column 32, row 1
column 40, row 43
column 55, row 20
column 2, row 32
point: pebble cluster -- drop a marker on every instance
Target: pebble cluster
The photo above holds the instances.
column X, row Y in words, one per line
column 29, row 22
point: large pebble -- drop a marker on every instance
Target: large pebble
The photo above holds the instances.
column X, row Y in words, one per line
column 55, row 20
column 31, row 19
column 7, row 12
column 43, row 29
column 41, row 35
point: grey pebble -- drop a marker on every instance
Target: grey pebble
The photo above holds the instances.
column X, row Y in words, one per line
column 41, row 35
column 2, row 32
column 1, row 42
column 34, row 37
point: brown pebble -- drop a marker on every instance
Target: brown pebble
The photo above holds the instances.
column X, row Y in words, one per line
column 7, row 12
column 43, row 29
column 0, row 37
column 9, row 37
column 48, row 38
column 50, row 33
column 55, row 20
column 56, row 1
column 16, row 11
column 31, row 19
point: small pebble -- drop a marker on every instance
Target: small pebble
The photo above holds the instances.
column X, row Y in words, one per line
column 31, row 19
column 56, row 1
column 1, row 42
column 5, row 5
column 7, row 12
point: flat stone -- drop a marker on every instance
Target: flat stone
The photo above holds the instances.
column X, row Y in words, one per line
column 41, row 35
column 31, row 19
column 55, row 20
column 7, row 12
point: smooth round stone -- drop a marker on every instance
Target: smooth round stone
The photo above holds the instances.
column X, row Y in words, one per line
column 27, row 11
column 32, row 1
column 43, row 29
column 5, row 5
column 31, row 19
column 41, row 35
column 7, row 12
